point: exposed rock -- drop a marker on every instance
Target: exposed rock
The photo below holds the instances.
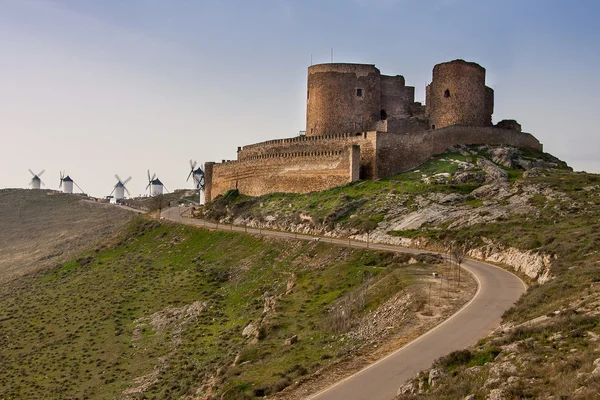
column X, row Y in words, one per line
column 269, row 304
column 291, row 341
column 407, row 388
column 496, row 394
column 470, row 397
column 250, row 330
column 505, row 156
column 473, row 370
column 531, row 263
column 468, row 177
column 435, row 375
column 437, row 179
column 496, row 191
column 494, row 172
column 291, row 284
column 503, row 369
column 596, row 372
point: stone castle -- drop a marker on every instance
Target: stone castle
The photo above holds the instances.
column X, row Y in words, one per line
column 364, row 125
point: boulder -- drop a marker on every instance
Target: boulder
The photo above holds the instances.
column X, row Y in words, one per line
column 496, row 394
column 250, row 330
column 435, row 375
column 291, row 341
column 494, row 172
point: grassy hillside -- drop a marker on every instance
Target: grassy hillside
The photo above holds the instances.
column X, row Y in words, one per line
column 41, row 228
column 169, row 311
column 523, row 209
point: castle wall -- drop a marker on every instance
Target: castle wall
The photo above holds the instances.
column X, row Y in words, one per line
column 396, row 97
column 333, row 105
column 397, row 153
column 313, row 144
column 292, row 173
column 457, row 95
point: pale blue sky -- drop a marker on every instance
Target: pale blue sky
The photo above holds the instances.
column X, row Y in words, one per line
column 119, row 86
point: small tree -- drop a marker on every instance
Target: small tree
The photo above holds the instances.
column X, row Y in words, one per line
column 458, row 252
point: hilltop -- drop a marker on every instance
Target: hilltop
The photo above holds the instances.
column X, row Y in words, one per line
column 519, row 208
column 42, row 228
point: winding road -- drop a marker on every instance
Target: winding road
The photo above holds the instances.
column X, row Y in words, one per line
column 498, row 290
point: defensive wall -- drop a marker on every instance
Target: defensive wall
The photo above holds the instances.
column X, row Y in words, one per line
column 364, row 125
column 306, row 164
column 299, row 172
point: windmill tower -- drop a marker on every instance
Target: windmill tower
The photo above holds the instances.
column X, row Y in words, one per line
column 66, row 183
column 36, row 182
column 155, row 185
column 120, row 189
column 197, row 175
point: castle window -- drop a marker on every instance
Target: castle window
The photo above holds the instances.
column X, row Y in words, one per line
column 359, row 92
column 447, row 93
column 432, row 126
column 383, row 115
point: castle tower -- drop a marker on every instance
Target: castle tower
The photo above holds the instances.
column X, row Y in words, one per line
column 342, row 98
column 457, row 95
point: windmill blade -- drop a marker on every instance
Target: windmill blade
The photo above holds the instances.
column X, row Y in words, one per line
column 193, row 164
column 126, row 180
column 118, row 179
column 60, row 184
column 148, row 186
column 78, row 187
column 41, row 173
column 149, row 179
column 153, row 177
column 190, row 174
column 31, row 172
column 111, row 192
column 164, row 187
column 42, row 183
column 128, row 194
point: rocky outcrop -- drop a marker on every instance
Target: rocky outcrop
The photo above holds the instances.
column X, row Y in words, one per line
column 531, row 263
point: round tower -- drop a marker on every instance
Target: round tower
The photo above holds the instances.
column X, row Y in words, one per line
column 457, row 95
column 342, row 98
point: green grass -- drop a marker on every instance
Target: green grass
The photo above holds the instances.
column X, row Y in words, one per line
column 79, row 330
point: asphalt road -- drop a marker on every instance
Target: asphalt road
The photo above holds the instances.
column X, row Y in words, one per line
column 498, row 290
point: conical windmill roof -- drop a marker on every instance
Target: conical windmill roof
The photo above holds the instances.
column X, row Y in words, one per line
column 156, row 182
column 67, row 179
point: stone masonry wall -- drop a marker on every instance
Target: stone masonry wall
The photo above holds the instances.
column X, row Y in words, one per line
column 457, row 95
column 397, row 153
column 300, row 173
column 333, row 105
column 396, row 97
column 316, row 144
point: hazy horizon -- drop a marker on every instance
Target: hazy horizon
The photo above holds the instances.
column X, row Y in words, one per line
column 103, row 88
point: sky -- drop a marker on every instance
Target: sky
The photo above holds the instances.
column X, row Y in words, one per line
column 98, row 88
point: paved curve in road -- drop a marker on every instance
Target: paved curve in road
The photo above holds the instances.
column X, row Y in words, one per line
column 498, row 290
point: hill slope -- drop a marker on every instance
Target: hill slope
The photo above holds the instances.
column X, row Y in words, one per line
column 519, row 208
column 170, row 311
column 40, row 228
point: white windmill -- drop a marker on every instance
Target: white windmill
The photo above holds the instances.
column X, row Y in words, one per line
column 155, row 185
column 66, row 183
column 197, row 175
column 120, row 189
column 36, row 182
